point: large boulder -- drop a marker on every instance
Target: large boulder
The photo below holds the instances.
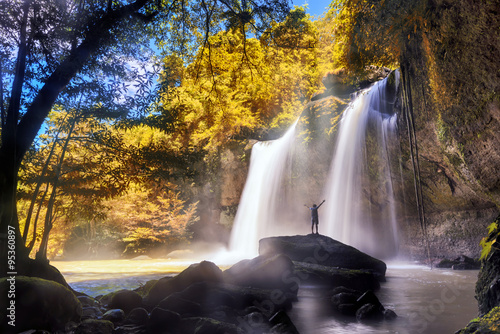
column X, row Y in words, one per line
column 323, row 250
column 38, row 304
column 204, row 271
column 267, row 272
column 332, row 277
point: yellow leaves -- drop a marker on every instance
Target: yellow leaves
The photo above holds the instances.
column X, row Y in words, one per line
column 488, row 241
column 152, row 218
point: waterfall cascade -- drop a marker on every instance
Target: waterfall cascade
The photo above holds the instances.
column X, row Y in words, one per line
column 360, row 170
column 256, row 217
column 360, row 210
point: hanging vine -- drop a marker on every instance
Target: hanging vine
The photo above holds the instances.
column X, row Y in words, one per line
column 407, row 108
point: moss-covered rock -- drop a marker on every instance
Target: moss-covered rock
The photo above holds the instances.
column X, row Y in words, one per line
column 488, row 283
column 39, row 304
column 487, row 324
column 125, row 300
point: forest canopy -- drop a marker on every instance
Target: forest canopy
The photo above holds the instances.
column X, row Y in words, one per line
column 110, row 104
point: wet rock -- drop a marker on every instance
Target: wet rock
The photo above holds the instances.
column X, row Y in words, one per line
column 282, row 323
column 138, row 316
column 362, row 305
column 254, row 322
column 199, row 272
column 322, row 250
column 267, row 301
column 341, row 289
column 114, row 315
column 315, row 274
column 370, row 312
column 340, row 83
column 344, row 298
column 91, row 312
column 93, row 326
column 131, row 329
column 161, row 320
column 347, row 309
column 460, row 263
column 200, row 325
column 39, row 303
column 126, row 300
column 267, row 272
column 224, row 313
column 208, row 295
column 143, row 290
column 184, row 307
column 88, row 301
column 390, row 314
column 369, row 298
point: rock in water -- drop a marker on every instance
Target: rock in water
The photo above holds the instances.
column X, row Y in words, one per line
column 323, row 250
column 316, row 274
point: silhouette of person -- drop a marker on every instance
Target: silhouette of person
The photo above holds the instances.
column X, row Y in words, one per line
column 314, row 216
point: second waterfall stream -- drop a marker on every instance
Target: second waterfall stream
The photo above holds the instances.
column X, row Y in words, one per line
column 360, row 170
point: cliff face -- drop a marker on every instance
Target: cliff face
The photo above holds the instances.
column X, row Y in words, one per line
column 451, row 79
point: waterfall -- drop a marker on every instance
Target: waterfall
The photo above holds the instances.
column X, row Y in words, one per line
column 360, row 209
column 256, row 217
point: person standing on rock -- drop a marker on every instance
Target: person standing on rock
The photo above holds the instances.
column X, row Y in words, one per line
column 314, row 216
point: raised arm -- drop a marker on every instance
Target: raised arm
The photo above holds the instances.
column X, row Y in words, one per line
column 321, row 203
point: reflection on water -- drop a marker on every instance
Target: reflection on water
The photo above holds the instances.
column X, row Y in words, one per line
column 426, row 301
column 103, row 276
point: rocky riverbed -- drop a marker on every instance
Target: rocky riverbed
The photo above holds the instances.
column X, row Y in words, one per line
column 252, row 296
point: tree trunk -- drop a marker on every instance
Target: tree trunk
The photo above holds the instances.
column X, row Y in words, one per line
column 18, row 136
column 42, row 252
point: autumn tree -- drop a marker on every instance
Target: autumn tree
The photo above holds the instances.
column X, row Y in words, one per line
column 45, row 44
column 237, row 86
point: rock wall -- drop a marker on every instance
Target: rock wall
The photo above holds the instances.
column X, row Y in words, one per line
column 451, row 80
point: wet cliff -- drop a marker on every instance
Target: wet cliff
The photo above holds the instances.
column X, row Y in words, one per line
column 450, row 115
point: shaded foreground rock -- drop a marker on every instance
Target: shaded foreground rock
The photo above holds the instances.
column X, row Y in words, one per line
column 39, row 304
column 93, row 326
column 267, row 272
column 199, row 272
column 323, row 250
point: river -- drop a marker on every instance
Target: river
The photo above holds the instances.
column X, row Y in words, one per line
column 426, row 301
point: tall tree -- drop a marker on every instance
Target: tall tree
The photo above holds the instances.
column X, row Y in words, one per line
column 46, row 43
